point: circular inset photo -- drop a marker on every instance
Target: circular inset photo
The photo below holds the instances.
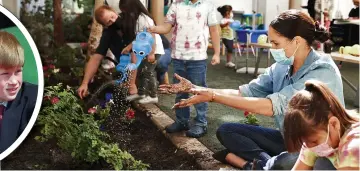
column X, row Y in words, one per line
column 21, row 82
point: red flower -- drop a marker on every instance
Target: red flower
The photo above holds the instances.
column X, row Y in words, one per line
column 52, row 66
column 130, row 114
column 83, row 45
column 55, row 100
column 46, row 97
column 92, row 110
column 246, row 113
column 45, row 68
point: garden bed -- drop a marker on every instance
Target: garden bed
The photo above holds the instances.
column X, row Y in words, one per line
column 141, row 138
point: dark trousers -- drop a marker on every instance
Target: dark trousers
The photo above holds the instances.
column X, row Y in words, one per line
column 251, row 142
column 146, row 77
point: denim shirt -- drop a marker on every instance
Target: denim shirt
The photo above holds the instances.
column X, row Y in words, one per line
column 278, row 85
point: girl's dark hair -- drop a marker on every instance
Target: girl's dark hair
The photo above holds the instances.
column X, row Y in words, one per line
column 293, row 23
column 130, row 12
column 309, row 111
column 224, row 9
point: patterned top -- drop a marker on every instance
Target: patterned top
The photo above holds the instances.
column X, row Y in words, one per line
column 347, row 154
column 191, row 23
column 227, row 32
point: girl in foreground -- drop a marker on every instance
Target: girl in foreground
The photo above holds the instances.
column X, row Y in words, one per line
column 327, row 130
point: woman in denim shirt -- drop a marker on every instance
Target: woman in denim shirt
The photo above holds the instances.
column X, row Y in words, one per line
column 291, row 35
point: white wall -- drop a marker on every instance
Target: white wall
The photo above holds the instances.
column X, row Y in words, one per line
column 13, row 6
column 238, row 5
column 271, row 8
column 343, row 5
column 114, row 4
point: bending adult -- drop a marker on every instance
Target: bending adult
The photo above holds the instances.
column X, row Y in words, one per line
column 291, row 35
column 112, row 38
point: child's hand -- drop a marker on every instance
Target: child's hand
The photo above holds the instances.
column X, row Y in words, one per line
column 152, row 29
column 127, row 49
column 151, row 58
column 215, row 60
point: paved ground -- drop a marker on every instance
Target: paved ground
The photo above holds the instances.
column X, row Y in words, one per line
column 221, row 77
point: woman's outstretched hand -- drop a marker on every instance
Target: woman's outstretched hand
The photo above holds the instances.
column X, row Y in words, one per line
column 201, row 95
column 184, row 86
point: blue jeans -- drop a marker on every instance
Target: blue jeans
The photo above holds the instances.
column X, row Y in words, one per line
column 286, row 161
column 267, row 145
column 250, row 142
column 194, row 71
column 163, row 65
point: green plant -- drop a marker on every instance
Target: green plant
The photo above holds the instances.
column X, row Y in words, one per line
column 77, row 27
column 252, row 120
column 77, row 132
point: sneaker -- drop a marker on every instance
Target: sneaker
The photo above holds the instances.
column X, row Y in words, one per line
column 230, row 65
column 148, row 100
column 177, row 127
column 248, row 166
column 258, row 164
column 134, row 97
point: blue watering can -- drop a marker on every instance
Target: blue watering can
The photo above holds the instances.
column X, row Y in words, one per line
column 141, row 47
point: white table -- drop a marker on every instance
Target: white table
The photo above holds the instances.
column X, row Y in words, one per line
column 352, row 59
column 356, row 22
column 255, row 70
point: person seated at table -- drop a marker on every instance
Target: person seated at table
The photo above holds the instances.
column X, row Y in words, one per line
column 248, row 146
column 327, row 130
column 354, row 13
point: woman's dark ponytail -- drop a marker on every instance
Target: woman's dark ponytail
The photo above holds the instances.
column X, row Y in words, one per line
column 321, row 34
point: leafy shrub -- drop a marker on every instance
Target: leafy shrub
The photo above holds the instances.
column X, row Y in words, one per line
column 77, row 132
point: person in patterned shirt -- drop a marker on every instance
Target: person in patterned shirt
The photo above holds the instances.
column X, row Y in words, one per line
column 192, row 20
column 327, row 130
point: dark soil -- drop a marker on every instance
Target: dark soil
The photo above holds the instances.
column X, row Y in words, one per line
column 141, row 139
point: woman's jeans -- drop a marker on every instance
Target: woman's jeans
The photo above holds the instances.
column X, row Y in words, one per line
column 146, row 81
column 267, row 145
